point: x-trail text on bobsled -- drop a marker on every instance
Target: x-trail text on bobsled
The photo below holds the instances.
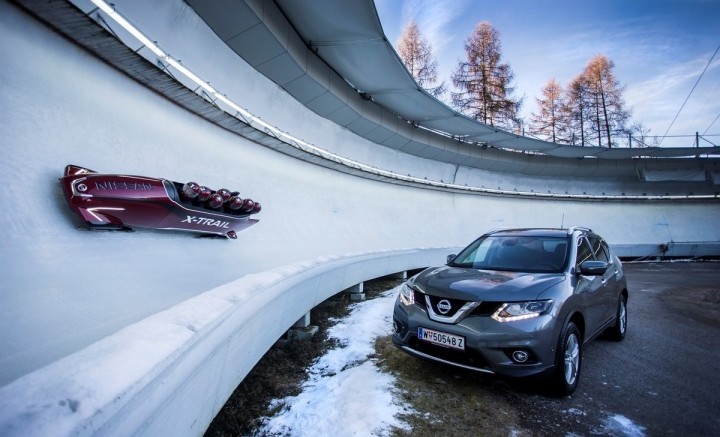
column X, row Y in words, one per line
column 516, row 302
column 121, row 202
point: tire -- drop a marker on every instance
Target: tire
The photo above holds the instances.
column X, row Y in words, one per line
column 565, row 379
column 617, row 332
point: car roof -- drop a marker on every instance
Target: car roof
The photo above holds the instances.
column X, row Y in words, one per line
column 533, row 232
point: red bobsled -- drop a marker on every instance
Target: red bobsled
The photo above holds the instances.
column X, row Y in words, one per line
column 120, row 202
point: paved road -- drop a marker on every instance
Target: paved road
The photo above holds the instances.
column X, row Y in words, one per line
column 663, row 379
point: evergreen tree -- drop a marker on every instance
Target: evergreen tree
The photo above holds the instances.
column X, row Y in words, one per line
column 483, row 82
column 548, row 122
column 607, row 114
column 416, row 53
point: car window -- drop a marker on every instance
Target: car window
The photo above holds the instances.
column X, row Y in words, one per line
column 584, row 253
column 597, row 249
column 473, row 254
column 607, row 251
column 515, row 253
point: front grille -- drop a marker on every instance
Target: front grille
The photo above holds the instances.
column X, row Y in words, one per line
column 455, row 305
column 486, row 309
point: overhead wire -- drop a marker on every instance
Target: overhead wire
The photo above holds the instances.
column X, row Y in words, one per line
column 691, row 91
column 711, row 124
column 702, row 108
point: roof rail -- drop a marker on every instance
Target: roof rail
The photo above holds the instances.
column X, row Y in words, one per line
column 578, row 228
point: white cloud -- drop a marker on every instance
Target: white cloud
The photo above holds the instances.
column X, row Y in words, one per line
column 657, row 99
column 436, row 20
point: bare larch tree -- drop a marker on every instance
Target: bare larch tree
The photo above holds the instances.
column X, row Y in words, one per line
column 483, row 81
column 576, row 110
column 607, row 113
column 416, row 53
column 549, row 121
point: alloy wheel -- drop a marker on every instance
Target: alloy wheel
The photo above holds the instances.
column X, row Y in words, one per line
column 572, row 359
column 623, row 316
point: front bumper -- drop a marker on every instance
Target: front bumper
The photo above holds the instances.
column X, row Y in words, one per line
column 489, row 344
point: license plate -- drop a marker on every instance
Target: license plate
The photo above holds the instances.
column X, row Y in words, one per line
column 441, row 338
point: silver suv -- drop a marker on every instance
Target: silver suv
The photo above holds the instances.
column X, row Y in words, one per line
column 516, row 302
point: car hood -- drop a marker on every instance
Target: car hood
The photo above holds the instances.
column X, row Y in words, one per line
column 485, row 285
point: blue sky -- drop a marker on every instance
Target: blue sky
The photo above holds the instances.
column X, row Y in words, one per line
column 660, row 48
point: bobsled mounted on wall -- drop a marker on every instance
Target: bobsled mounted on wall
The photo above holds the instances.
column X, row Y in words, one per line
column 120, row 202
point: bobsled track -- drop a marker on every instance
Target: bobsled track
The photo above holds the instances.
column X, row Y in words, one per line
column 148, row 333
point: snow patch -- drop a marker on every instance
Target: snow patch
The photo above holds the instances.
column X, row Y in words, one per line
column 620, row 425
column 345, row 394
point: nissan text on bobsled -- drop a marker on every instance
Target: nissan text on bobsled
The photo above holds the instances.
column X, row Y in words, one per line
column 121, row 202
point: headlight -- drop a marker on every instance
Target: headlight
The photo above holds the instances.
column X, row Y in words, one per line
column 509, row 312
column 407, row 295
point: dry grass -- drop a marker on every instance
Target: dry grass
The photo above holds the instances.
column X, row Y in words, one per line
column 446, row 401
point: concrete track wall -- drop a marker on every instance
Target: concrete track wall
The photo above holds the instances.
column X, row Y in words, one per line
column 79, row 311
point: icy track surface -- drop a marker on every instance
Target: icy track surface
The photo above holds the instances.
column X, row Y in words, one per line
column 63, row 288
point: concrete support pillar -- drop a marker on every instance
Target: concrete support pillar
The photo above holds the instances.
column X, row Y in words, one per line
column 302, row 329
column 303, row 322
column 356, row 292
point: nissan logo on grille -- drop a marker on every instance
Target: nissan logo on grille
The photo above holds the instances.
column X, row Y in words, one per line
column 444, row 306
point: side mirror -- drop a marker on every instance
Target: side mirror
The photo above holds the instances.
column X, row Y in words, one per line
column 450, row 258
column 593, row 268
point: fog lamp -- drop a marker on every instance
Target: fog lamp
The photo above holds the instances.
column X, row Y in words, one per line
column 520, row 356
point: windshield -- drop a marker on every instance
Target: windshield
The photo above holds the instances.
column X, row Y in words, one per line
column 515, row 253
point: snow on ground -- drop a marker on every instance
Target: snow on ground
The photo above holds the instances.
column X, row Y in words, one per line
column 345, row 394
column 620, row 425
column 614, row 425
